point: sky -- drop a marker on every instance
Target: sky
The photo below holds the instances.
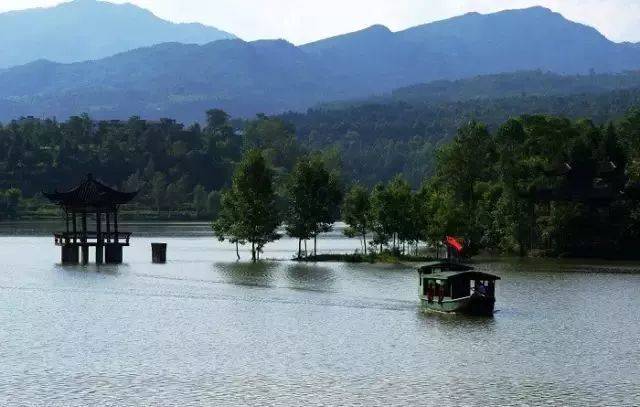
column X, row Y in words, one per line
column 302, row 21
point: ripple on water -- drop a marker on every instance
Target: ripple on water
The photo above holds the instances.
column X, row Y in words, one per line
column 205, row 329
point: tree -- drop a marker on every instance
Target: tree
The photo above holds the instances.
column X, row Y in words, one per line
column 400, row 210
column 213, row 203
column 227, row 224
column 382, row 222
column 314, row 196
column 10, row 202
column 200, row 200
column 248, row 211
column 158, row 190
column 356, row 212
column 276, row 138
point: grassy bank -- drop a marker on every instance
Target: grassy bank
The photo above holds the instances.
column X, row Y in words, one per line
column 384, row 257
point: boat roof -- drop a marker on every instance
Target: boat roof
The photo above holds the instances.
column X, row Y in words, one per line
column 471, row 275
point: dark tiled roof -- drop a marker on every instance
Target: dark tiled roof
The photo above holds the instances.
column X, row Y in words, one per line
column 91, row 193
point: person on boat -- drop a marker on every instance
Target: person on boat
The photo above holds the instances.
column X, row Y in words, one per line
column 481, row 289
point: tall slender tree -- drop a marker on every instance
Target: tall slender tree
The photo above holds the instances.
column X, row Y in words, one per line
column 251, row 204
column 356, row 212
column 314, row 197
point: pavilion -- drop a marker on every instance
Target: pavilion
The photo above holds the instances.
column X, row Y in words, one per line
column 91, row 199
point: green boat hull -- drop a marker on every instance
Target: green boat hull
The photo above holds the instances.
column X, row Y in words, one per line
column 473, row 305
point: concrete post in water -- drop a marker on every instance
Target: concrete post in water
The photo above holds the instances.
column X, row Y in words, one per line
column 70, row 254
column 159, row 252
column 113, row 253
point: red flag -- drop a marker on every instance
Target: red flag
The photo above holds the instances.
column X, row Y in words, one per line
column 453, row 242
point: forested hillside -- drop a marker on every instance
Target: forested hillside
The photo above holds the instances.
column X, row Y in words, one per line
column 274, row 76
column 522, row 83
column 181, row 169
column 381, row 139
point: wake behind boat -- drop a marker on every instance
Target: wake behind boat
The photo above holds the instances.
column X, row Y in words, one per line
column 456, row 288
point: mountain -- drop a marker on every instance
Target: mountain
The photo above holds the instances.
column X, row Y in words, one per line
column 473, row 44
column 89, row 29
column 170, row 80
column 244, row 78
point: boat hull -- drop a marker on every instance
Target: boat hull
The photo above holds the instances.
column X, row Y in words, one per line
column 473, row 305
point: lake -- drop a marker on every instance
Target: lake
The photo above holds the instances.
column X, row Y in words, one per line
column 205, row 329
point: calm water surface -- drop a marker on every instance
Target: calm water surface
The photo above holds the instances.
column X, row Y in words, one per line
column 204, row 329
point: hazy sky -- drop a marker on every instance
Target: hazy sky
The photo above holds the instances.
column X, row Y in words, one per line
column 301, row 21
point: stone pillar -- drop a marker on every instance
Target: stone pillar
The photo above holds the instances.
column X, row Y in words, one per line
column 108, row 222
column 85, row 248
column 113, row 253
column 75, row 227
column 115, row 224
column 99, row 245
column 69, row 254
column 159, row 253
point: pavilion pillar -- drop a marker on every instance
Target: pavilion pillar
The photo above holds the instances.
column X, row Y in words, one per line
column 75, row 227
column 83, row 240
column 99, row 242
column 69, row 254
column 68, row 251
column 115, row 224
column 108, row 222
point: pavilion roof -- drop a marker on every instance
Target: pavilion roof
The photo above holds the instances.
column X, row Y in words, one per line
column 91, row 193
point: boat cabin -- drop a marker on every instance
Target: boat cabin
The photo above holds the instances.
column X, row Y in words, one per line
column 450, row 287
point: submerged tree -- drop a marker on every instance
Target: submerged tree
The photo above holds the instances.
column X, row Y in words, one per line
column 227, row 224
column 251, row 204
column 314, row 196
column 356, row 212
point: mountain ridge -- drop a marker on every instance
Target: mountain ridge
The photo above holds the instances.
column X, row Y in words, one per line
column 83, row 30
column 273, row 76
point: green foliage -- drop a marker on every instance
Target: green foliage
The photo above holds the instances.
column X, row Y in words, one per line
column 248, row 210
column 276, row 138
column 9, row 202
column 314, row 197
column 356, row 213
column 539, row 185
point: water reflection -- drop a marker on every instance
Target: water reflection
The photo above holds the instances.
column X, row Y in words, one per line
column 259, row 274
column 104, row 269
column 456, row 322
column 310, row 277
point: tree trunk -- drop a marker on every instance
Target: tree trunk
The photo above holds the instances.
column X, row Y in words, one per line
column 237, row 250
column 315, row 245
column 253, row 252
column 299, row 248
column 364, row 239
column 305, row 248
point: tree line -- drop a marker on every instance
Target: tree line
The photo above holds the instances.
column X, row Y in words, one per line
column 179, row 170
column 534, row 184
column 539, row 185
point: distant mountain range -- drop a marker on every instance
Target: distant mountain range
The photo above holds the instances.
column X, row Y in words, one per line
column 244, row 78
column 83, row 30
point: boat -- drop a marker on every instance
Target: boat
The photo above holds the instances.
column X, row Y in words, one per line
column 451, row 287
